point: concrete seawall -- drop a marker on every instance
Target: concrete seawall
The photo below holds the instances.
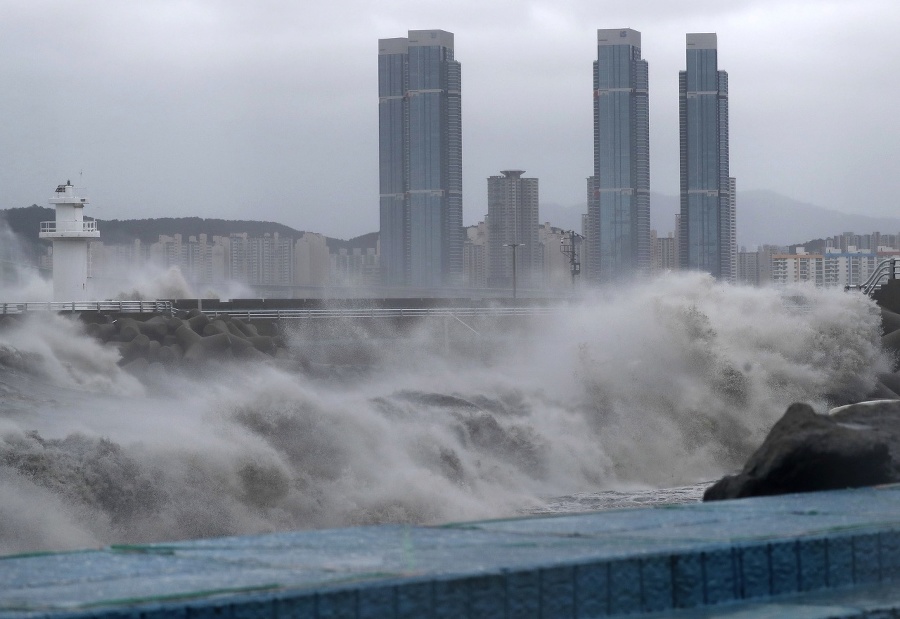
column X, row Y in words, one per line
column 828, row 554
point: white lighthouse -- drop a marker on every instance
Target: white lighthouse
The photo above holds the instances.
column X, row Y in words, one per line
column 70, row 234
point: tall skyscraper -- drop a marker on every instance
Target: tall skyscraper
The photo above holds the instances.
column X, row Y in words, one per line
column 618, row 232
column 420, row 160
column 513, row 220
column 707, row 235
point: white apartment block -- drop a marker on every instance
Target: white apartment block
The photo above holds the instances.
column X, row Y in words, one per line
column 798, row 268
column 748, row 267
column 833, row 268
column 665, row 252
column 311, row 260
column 270, row 259
column 475, row 256
column 359, row 267
column 555, row 270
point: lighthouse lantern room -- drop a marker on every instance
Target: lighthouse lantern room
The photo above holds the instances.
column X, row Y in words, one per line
column 70, row 234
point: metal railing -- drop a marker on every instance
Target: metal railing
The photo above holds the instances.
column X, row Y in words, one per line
column 455, row 312
column 123, row 307
column 886, row 270
column 50, row 227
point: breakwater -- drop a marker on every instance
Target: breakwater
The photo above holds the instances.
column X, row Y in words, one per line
column 187, row 340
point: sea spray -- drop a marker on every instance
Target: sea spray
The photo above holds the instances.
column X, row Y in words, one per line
column 20, row 280
column 654, row 385
column 149, row 283
column 56, row 349
column 122, row 281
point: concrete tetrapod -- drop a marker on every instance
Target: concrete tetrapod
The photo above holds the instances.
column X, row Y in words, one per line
column 208, row 348
column 195, row 339
column 197, row 321
column 170, row 355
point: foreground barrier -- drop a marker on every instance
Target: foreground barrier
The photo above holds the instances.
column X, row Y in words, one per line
column 829, row 554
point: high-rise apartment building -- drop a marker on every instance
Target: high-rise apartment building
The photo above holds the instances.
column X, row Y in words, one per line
column 707, row 235
column 618, row 227
column 266, row 259
column 556, row 268
column 664, row 253
column 420, row 160
column 475, row 256
column 311, row 260
column 513, row 224
column 748, row 267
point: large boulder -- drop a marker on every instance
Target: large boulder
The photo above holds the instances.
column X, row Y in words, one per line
column 890, row 321
column 889, row 380
column 891, row 344
column 853, row 446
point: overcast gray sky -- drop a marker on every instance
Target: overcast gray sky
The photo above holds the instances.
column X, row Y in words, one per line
column 268, row 109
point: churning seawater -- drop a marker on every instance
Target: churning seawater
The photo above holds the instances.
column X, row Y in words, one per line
column 635, row 396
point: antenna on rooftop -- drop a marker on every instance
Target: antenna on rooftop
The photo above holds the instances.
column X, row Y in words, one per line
column 568, row 246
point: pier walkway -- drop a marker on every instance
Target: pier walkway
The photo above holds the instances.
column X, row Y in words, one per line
column 827, row 554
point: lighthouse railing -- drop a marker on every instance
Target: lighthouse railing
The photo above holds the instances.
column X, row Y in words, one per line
column 51, row 227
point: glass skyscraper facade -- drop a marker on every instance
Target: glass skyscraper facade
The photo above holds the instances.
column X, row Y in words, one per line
column 707, row 235
column 618, row 221
column 420, row 160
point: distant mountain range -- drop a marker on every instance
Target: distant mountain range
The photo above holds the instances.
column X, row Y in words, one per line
column 763, row 217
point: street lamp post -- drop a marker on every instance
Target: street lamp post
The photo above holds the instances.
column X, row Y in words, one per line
column 513, row 245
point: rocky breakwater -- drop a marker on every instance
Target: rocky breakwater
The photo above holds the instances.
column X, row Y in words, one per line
column 854, row 445
column 190, row 340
